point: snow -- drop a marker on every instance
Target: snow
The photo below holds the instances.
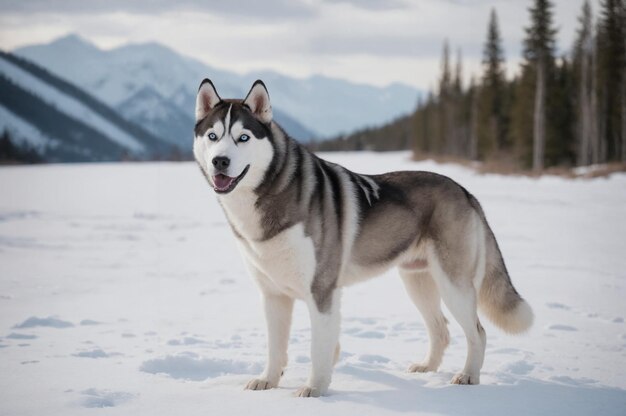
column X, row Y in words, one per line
column 50, row 321
column 68, row 105
column 121, row 287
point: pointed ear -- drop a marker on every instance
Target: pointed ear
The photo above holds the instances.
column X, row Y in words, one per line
column 206, row 100
column 258, row 100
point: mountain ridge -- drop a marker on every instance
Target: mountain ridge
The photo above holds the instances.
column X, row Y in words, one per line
column 63, row 122
column 321, row 105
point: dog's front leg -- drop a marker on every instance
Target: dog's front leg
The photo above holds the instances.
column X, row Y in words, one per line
column 278, row 311
column 325, row 326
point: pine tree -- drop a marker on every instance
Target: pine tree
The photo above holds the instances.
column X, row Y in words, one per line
column 419, row 135
column 539, row 47
column 431, row 124
column 445, row 81
column 473, row 93
column 445, row 102
column 611, row 69
column 584, row 62
column 493, row 86
column 560, row 146
column 457, row 107
column 521, row 116
column 457, row 82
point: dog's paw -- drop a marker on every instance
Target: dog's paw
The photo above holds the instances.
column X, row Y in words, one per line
column 259, row 384
column 420, row 368
column 463, row 378
column 307, row 391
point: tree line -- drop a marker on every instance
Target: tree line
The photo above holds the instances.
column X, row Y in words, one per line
column 556, row 111
column 10, row 153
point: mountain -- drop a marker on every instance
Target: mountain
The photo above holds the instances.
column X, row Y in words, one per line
column 158, row 114
column 63, row 123
column 313, row 107
column 162, row 117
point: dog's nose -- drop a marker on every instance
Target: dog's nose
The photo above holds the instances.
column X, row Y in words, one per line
column 221, row 162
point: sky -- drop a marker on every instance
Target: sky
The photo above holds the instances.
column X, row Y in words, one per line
column 376, row 42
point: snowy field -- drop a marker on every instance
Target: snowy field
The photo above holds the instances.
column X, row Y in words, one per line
column 121, row 288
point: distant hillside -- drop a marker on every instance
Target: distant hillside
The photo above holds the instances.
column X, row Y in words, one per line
column 396, row 135
column 61, row 122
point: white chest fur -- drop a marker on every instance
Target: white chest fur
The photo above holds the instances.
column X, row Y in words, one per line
column 285, row 263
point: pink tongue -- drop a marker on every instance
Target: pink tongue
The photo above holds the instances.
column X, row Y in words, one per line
column 222, row 181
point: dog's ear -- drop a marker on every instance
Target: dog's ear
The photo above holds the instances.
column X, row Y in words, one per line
column 258, row 101
column 206, row 100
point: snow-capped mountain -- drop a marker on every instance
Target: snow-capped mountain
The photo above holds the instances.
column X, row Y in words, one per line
column 63, row 123
column 162, row 117
column 322, row 106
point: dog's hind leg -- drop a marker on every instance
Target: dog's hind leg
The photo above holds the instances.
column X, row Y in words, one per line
column 462, row 305
column 459, row 295
column 456, row 260
column 424, row 293
column 278, row 311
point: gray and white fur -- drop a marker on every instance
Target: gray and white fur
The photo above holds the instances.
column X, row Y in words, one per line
column 308, row 227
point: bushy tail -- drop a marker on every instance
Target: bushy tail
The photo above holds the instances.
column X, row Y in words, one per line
column 497, row 297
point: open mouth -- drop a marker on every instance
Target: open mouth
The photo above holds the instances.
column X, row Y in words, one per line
column 223, row 184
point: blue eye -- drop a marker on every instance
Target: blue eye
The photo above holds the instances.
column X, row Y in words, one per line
column 244, row 138
column 212, row 137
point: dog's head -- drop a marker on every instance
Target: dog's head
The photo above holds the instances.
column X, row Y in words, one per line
column 232, row 137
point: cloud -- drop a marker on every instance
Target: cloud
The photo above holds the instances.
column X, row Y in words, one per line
column 409, row 46
column 373, row 4
column 266, row 9
column 371, row 41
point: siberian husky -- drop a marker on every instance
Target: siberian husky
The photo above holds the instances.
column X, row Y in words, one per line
column 308, row 227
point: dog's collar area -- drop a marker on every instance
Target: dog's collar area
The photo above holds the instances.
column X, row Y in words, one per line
column 223, row 184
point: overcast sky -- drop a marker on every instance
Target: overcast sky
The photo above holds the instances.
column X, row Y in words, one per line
column 370, row 41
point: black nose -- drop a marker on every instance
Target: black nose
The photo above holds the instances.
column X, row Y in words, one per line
column 221, row 162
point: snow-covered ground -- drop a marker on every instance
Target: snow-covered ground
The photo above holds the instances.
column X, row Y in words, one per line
column 121, row 287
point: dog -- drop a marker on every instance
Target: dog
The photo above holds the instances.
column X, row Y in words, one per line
column 308, row 227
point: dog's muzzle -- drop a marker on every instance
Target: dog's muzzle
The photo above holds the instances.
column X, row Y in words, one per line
column 223, row 184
